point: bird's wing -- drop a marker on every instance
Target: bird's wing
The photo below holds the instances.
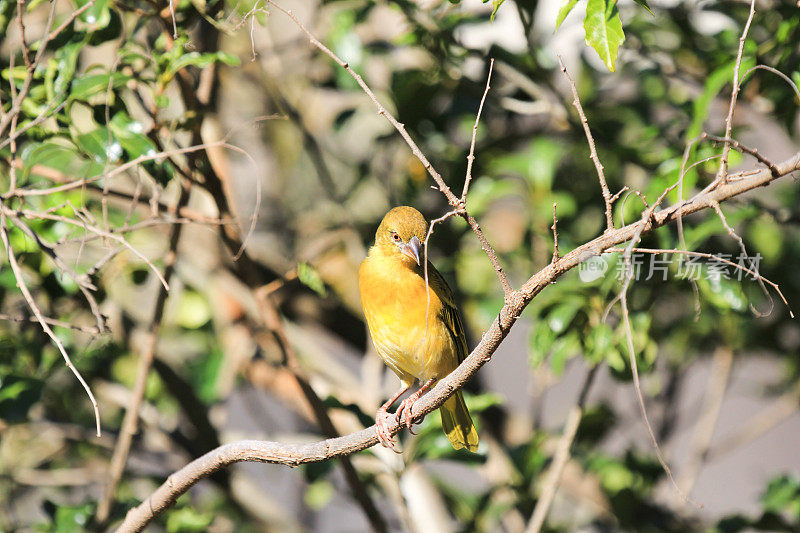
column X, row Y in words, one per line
column 449, row 313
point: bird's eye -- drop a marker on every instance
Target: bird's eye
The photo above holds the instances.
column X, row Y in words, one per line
column 396, row 237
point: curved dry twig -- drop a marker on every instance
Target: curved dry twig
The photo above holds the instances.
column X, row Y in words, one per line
column 23, row 287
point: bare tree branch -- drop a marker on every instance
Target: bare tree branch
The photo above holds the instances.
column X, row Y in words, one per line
column 296, row 454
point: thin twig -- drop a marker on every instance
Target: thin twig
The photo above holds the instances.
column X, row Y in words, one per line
column 21, row 23
column 26, row 213
column 716, row 207
column 744, row 149
column 607, row 198
column 778, row 73
column 17, row 99
column 82, row 281
column 471, row 156
column 425, row 267
column 91, row 330
column 554, row 227
column 133, row 163
column 722, row 173
column 645, row 224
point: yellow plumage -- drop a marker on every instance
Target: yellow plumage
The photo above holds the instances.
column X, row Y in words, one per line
column 417, row 332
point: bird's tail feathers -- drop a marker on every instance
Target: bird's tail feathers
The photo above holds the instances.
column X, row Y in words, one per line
column 457, row 423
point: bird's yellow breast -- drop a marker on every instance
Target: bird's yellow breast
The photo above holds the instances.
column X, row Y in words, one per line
column 404, row 318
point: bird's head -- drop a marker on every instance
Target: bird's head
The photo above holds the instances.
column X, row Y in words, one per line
column 401, row 234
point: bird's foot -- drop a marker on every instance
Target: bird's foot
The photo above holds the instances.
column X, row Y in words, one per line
column 382, row 424
column 404, row 410
column 403, row 414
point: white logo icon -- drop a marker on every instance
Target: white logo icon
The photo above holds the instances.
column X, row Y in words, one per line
column 592, row 269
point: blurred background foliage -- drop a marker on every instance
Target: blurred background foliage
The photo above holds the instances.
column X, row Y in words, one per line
column 120, row 84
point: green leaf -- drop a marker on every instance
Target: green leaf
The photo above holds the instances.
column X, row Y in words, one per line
column 767, row 238
column 193, row 310
column 188, row 519
column 495, row 6
column 228, row 59
column 319, row 494
column 89, row 85
column 67, row 58
column 99, row 144
column 560, row 318
column 564, row 348
column 564, row 10
column 17, row 396
column 202, row 60
column 541, row 340
column 97, row 15
column 615, row 360
column 599, row 342
column 128, row 133
column 73, row 519
column 783, row 494
column 604, row 30
column 309, row 277
column 487, row 190
column 645, row 5
column 481, row 402
column 49, row 154
column 545, row 156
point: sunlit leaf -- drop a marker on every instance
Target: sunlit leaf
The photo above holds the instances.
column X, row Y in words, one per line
column 97, row 14
column 645, row 5
column 89, row 85
column 188, row 519
column 48, row 154
column 604, row 30
column 193, row 310
column 495, row 6
column 564, row 10
column 309, row 277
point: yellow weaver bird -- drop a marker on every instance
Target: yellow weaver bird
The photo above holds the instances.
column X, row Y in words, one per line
column 416, row 328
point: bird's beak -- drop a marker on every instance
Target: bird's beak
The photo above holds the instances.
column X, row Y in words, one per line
column 411, row 249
